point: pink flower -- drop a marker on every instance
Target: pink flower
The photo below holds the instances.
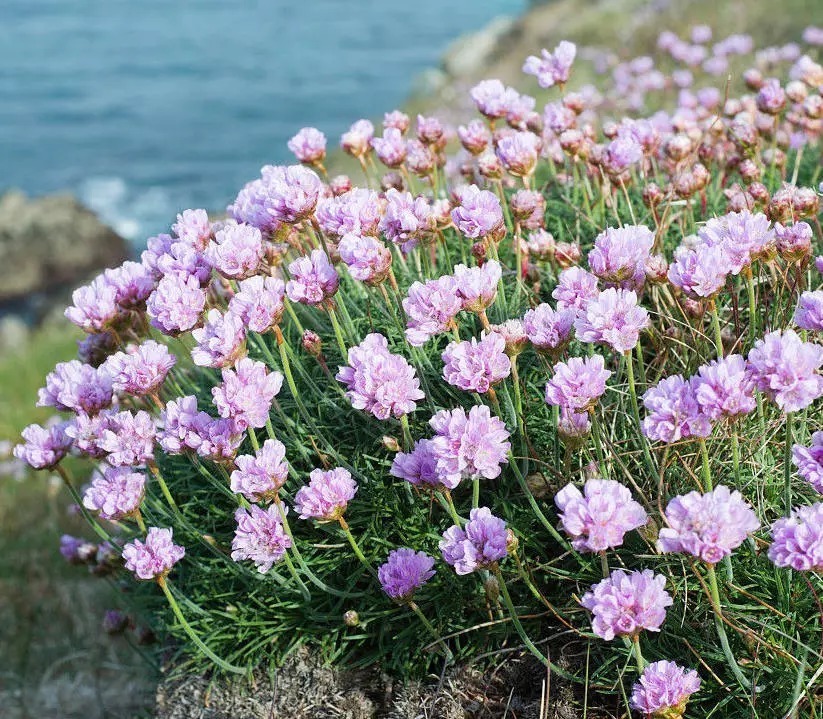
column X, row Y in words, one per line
column 482, row 542
column 613, row 318
column 809, row 312
column 419, row 466
column 479, row 213
column 809, row 461
column 356, row 212
column 575, row 288
column 193, row 228
column 578, row 383
column 391, row 148
column 155, row 557
column 128, row 438
column 492, row 98
column 598, row 518
column 407, row 219
column 314, row 279
column 548, row 330
column 518, row 152
column 258, row 478
column 220, row 341
column 797, row 540
column 431, row 308
column 477, row 286
column 620, row 255
column 404, row 573
column 259, row 302
column 673, row 412
column 367, row 258
column 308, row 145
column 246, row 393
column 708, row 526
column 724, row 388
column 326, row 495
column 43, row 447
column 140, row 370
column 76, row 387
column 701, row 272
column 552, row 68
column 236, row 251
column 627, row 603
column 357, row 140
column 260, row 537
column 116, row 493
column 475, row 366
column 664, row 686
column 176, row 305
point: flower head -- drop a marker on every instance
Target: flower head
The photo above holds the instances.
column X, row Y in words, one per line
column 809, row 461
column 140, row 370
column 193, row 228
column 701, row 272
column 154, row 557
column 220, row 341
column 742, row 236
column 575, row 288
column 797, row 540
column 246, row 393
column 620, row 254
column 259, row 302
column 552, row 68
column 326, row 495
column 673, row 412
column 236, row 251
column 128, row 438
column 474, row 366
column 378, row 381
column 598, row 518
column 469, row 445
column 809, row 312
column 176, row 305
column 627, row 603
column 518, row 151
column 313, row 279
column 76, row 387
column 419, row 467
column 577, row 384
column 430, row 308
column 356, row 140
column 94, row 306
column 724, row 388
column 479, row 213
column 407, row 219
column 258, row 478
column 43, row 447
column 367, row 258
column 663, row 689
column 356, row 211
column 483, row 541
column 116, row 493
column 786, row 369
column 391, row 148
column 259, row 536
column 708, row 526
column 308, row 145
column 492, row 98
column 548, row 330
column 404, row 573
column 612, row 318
column 477, row 286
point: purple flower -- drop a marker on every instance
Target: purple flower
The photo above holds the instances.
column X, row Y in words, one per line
column 357, row 140
column 809, row 312
column 620, row 254
column 391, row 148
column 404, row 573
column 259, row 536
column 155, row 557
column 220, row 341
column 236, row 251
column 627, row 603
column 176, row 305
column 578, row 383
column 552, row 68
column 575, row 287
column 94, row 306
column 724, row 388
column 193, row 228
column 43, row 447
column 308, row 145
column 313, row 279
column 184, row 260
column 573, row 426
column 76, row 550
column 116, row 493
column 94, row 349
column 742, row 236
column 794, row 242
column 378, row 381
column 132, row 283
column 293, row 192
column 708, row 526
column 76, row 387
column 326, row 495
column 474, row 366
column 613, row 318
column 419, row 466
column 218, row 439
column 431, row 308
column 156, row 247
column 786, row 369
column 181, row 425
column 140, row 370
column 246, row 393
column 128, row 438
column 477, row 286
column 492, row 98
column 700, row 272
column 397, row 119
column 673, row 412
column 482, row 542
column 259, row 302
column 367, row 258
column 407, row 219
column 468, row 446
column 258, row 478
column 797, row 540
column 818, row 263
column 548, row 330
column 598, row 518
column 479, row 213
column 518, row 151
column 356, row 212
column 664, row 687
column 86, row 433
column 808, row 460
column 475, row 136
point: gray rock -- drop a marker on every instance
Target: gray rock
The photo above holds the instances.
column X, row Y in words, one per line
column 468, row 54
column 49, row 242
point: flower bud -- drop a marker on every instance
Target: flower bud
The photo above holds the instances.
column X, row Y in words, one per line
column 392, row 180
column 657, row 269
column 652, row 195
column 492, row 589
column 512, row 542
column 512, row 331
column 749, row 170
column 312, row 343
column 340, row 184
column 567, row 254
column 351, row 618
column 391, row 443
column 488, row 165
column 753, row 79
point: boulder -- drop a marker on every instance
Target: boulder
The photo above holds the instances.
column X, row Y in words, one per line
column 51, row 242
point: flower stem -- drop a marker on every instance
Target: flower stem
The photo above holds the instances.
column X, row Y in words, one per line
column 355, row 547
column 164, row 488
column 647, row 455
column 706, row 468
column 787, row 463
column 752, row 303
column 449, row 504
column 721, row 630
column 95, row 525
column 175, row 607
column 718, row 335
column 426, row 623
column 338, row 333
column 303, row 588
column 138, row 517
column 638, row 654
column 475, row 493
column 407, row 438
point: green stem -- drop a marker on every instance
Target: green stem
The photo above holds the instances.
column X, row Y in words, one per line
column 303, row 588
column 426, row 623
column 95, row 525
column 475, row 493
column 355, row 547
column 175, row 607
column 598, row 447
column 736, row 458
column 721, row 630
column 338, row 333
column 407, row 438
column 752, row 304
column 647, row 455
column 718, row 335
column 787, row 463
column 138, row 517
column 449, row 504
column 638, row 654
column 164, row 488
column 706, row 468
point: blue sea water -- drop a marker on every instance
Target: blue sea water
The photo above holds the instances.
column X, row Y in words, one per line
column 145, row 107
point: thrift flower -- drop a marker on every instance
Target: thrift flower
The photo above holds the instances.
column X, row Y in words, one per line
column 552, row 68
column 808, row 460
column 154, row 557
column 356, row 211
column 598, row 518
column 809, row 312
column 479, row 213
column 313, row 279
column 708, row 526
column 613, row 318
column 797, row 540
column 116, row 493
column 548, row 330
column 236, row 251
column 627, row 603
column 220, row 341
column 477, row 286
column 575, row 288
column 620, row 254
column 259, row 302
column 701, row 272
column 475, row 366
column 367, row 258
column 176, row 305
column 259, row 536
column 43, row 447
column 76, row 387
column 309, row 145
column 404, row 573
column 245, row 396
column 481, row 543
column 140, row 370
column 193, row 228
column 128, row 438
column 724, row 388
column 663, row 689
column 326, row 495
column 673, row 412
column 577, row 384
column 258, row 478
column 419, row 467
column 431, row 308
column 407, row 219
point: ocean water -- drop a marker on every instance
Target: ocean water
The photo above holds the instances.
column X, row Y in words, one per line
column 145, row 107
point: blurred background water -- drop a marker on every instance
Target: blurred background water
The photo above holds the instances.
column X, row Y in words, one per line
column 144, row 108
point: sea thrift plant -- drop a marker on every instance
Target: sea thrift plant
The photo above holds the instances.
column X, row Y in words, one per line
column 553, row 345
